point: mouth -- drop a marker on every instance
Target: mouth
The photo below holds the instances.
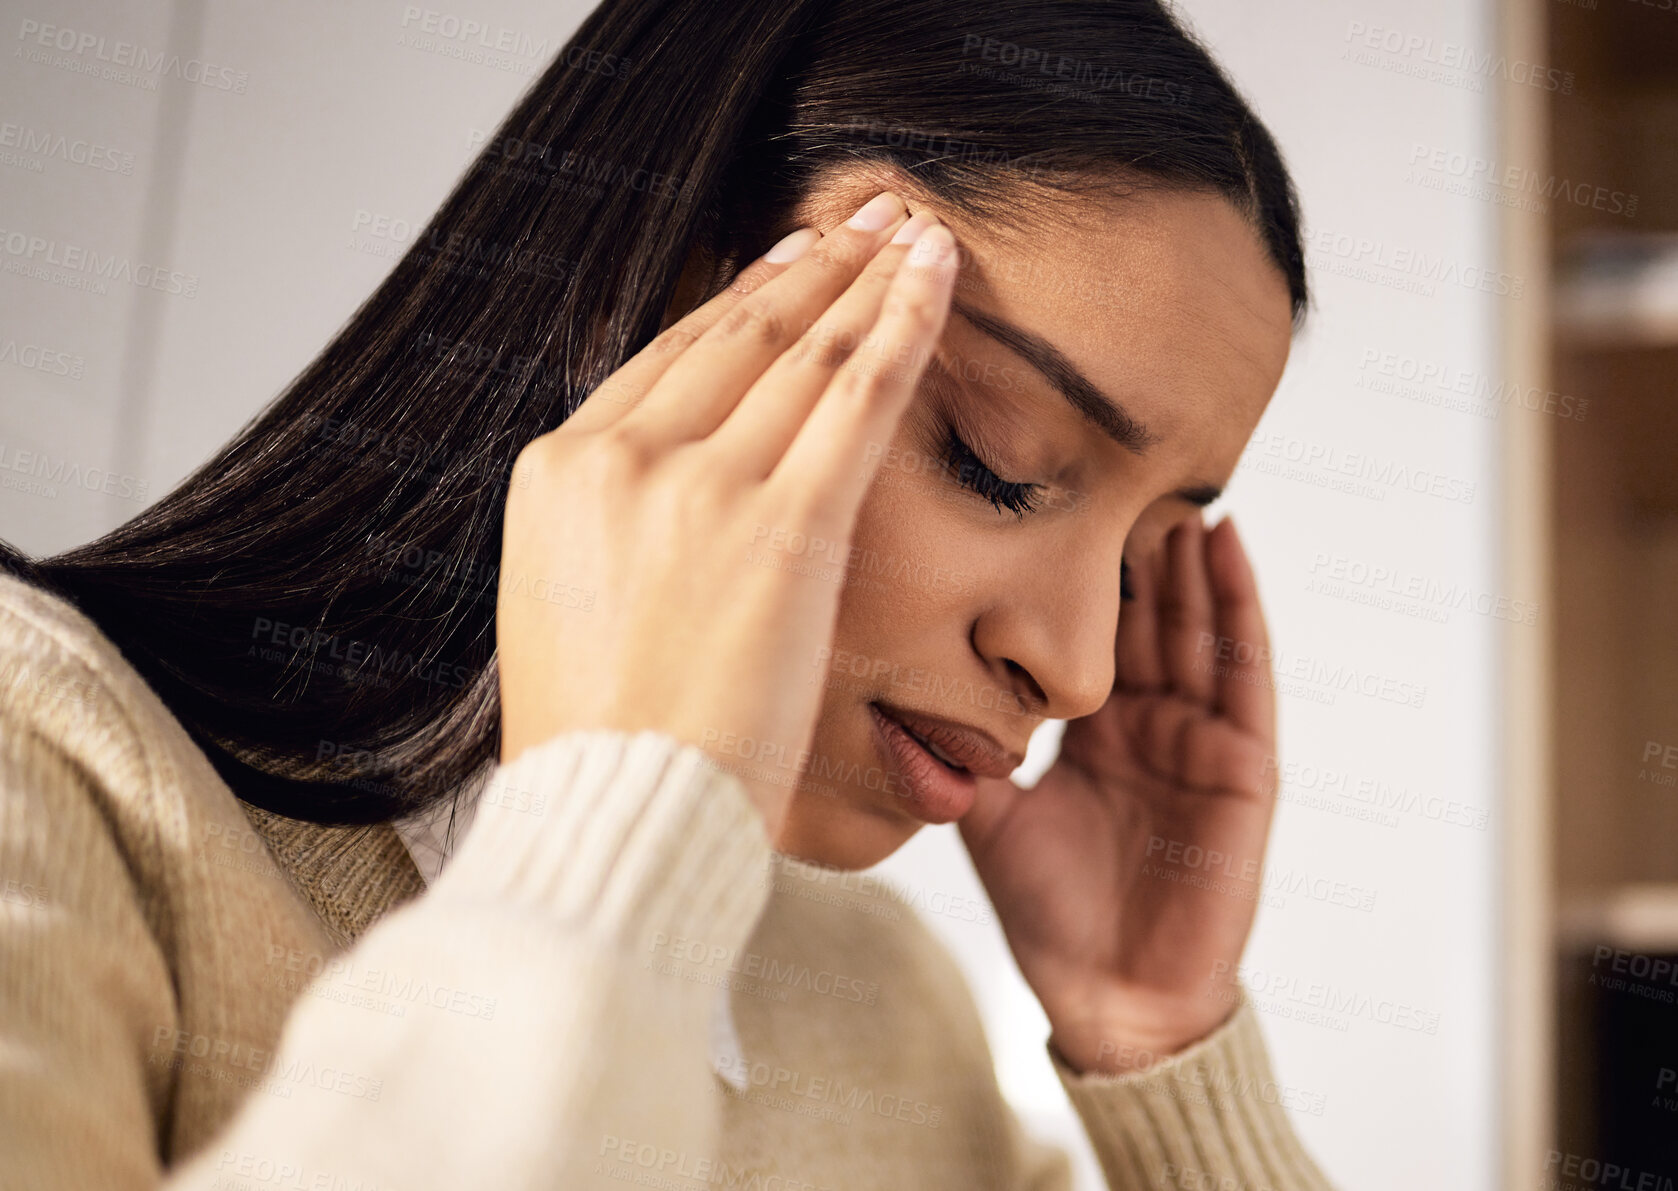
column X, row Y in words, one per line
column 938, row 762
column 954, row 745
column 932, row 748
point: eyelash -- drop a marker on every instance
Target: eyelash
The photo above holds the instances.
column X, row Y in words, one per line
column 972, row 473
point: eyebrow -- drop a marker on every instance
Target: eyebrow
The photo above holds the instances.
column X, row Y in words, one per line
column 1106, row 413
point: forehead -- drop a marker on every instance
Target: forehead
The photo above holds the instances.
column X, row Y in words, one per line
column 1166, row 300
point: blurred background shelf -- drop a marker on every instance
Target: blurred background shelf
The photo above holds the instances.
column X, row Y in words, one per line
column 1618, row 290
column 1611, row 530
column 1641, row 918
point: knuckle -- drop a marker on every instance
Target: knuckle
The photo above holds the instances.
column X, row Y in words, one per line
column 674, row 340
column 747, row 282
column 754, row 323
column 858, row 382
column 623, row 449
column 826, row 347
column 796, row 504
column 910, row 316
column 533, row 460
column 838, row 254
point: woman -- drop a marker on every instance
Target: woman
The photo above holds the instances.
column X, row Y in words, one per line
column 737, row 469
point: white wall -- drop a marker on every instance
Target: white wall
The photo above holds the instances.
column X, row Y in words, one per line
column 268, row 198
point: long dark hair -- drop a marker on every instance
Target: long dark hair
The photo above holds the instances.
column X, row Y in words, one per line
column 316, row 602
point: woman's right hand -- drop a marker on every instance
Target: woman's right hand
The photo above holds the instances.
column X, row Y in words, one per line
column 663, row 507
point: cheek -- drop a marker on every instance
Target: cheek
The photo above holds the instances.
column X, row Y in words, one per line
column 912, row 579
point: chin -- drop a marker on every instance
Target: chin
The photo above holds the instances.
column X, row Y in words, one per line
column 863, row 796
column 842, row 828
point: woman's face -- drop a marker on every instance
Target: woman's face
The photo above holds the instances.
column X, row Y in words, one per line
column 1164, row 305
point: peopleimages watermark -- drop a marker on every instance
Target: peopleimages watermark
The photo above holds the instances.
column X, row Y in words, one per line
column 1449, row 62
column 343, row 977
column 1264, row 665
column 1666, row 1090
column 65, row 684
column 81, row 267
column 648, row 1165
column 824, row 558
column 947, row 149
column 1664, row 757
column 1460, row 390
column 476, row 360
column 868, row 893
column 350, row 659
column 1062, row 74
column 849, row 670
column 28, row 147
column 570, row 169
column 1180, row 861
column 1357, row 473
column 23, row 893
column 120, row 61
column 1400, row 266
column 905, row 462
column 1394, row 589
column 40, row 473
column 284, row 1174
column 1316, row 1002
column 1472, row 176
column 1651, row 977
column 1575, row 1172
column 234, row 1060
column 1366, row 798
column 805, row 769
column 825, row 1097
column 409, row 455
column 48, row 361
column 766, row 975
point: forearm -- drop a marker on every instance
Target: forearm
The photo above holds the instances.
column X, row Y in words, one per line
column 551, row 918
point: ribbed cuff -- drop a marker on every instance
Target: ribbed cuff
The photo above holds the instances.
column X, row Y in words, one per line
column 1211, row 1115
column 624, row 835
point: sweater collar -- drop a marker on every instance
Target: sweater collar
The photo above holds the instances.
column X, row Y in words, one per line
column 350, row 875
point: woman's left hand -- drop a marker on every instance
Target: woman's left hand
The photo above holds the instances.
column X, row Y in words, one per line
column 1126, row 881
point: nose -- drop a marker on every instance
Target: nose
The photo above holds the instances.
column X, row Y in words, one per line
column 1051, row 628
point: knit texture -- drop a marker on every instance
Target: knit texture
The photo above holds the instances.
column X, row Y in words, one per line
column 198, row 994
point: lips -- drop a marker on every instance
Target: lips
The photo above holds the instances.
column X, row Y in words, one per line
column 957, row 745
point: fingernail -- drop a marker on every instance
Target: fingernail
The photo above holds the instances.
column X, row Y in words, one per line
column 792, row 246
column 917, row 224
column 876, row 212
column 933, row 246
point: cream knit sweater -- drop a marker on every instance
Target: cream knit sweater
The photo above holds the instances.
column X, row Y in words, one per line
column 198, row 994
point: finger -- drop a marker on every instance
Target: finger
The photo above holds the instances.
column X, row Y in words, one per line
column 762, row 426
column 830, row 458
column 1185, row 611
column 1136, row 656
column 1246, row 691
column 704, row 384
column 628, row 385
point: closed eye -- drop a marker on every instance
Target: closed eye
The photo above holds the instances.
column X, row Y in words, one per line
column 972, row 473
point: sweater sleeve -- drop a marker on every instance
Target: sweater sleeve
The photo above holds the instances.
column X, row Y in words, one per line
column 1212, row 1115
column 593, row 858
column 83, row 984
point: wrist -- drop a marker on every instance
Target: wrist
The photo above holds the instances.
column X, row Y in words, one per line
column 1132, row 1038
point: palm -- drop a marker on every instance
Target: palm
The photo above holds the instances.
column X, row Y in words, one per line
column 1127, row 879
